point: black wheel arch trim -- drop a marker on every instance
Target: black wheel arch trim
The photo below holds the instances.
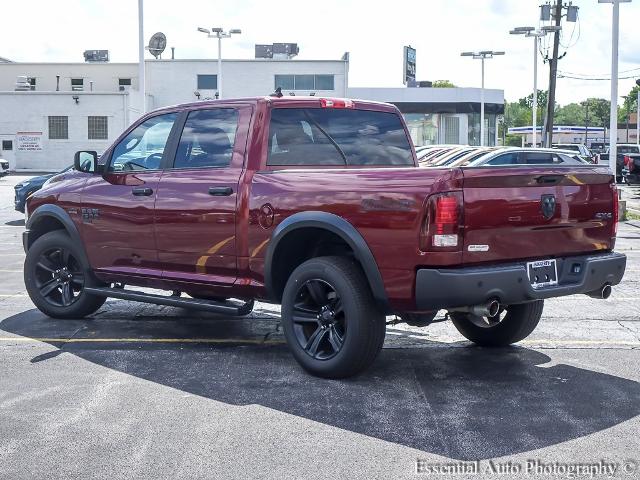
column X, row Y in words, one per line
column 339, row 226
column 56, row 212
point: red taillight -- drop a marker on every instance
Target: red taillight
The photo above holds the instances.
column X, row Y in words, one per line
column 446, row 214
column 442, row 227
column 336, row 103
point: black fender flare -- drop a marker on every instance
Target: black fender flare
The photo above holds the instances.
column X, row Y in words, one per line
column 339, row 226
column 56, row 212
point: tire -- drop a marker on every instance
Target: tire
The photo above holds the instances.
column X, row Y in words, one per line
column 55, row 274
column 512, row 324
column 418, row 319
column 330, row 319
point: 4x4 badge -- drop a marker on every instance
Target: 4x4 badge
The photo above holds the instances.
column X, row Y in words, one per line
column 548, row 206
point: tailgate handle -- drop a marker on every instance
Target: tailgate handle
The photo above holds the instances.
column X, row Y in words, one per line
column 549, row 179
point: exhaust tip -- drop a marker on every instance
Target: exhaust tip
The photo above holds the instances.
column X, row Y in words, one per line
column 493, row 307
column 606, row 291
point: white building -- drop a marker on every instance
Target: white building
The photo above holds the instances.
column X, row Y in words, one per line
column 442, row 115
column 64, row 107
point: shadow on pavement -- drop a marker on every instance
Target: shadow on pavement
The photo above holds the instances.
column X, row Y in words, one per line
column 463, row 402
column 15, row 223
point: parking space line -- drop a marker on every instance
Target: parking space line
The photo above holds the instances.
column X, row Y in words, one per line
column 255, row 341
column 252, row 341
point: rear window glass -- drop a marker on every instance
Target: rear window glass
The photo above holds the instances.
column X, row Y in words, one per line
column 318, row 136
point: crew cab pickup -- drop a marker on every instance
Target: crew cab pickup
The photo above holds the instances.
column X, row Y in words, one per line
column 317, row 204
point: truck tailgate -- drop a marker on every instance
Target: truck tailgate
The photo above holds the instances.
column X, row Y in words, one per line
column 529, row 212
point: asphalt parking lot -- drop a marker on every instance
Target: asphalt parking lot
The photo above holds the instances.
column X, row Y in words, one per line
column 141, row 391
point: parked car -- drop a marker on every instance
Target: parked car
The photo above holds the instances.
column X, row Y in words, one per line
column 26, row 188
column 622, row 149
column 445, row 159
column 471, row 156
column 4, row 167
column 528, row 156
column 319, row 207
column 582, row 150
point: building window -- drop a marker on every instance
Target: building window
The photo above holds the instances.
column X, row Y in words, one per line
column 451, row 130
column 324, row 82
column 7, row 145
column 32, row 83
column 58, row 128
column 285, row 82
column 207, row 82
column 77, row 84
column 123, row 83
column 97, row 128
column 305, row 82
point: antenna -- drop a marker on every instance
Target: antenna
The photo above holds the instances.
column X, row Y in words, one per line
column 157, row 44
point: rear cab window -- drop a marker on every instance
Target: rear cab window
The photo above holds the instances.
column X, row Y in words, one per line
column 335, row 137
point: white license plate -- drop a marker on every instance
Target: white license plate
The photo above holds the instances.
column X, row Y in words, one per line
column 542, row 273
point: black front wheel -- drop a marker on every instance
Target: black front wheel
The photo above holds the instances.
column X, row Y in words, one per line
column 55, row 275
column 330, row 319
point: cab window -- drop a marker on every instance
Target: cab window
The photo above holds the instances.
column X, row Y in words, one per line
column 207, row 139
column 143, row 148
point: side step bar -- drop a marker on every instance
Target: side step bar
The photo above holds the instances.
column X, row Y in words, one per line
column 226, row 308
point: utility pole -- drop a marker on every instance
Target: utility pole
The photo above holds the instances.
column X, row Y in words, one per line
column 553, row 70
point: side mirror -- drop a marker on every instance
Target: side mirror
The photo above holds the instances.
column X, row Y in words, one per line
column 86, row 161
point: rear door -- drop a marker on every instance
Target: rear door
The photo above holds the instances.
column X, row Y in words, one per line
column 195, row 211
column 524, row 212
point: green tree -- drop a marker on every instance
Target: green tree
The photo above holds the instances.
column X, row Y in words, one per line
column 571, row 114
column 527, row 101
column 629, row 105
column 442, row 84
column 599, row 112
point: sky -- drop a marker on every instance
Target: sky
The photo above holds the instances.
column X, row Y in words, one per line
column 374, row 32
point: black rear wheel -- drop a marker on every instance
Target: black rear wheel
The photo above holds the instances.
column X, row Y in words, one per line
column 55, row 275
column 330, row 319
column 512, row 324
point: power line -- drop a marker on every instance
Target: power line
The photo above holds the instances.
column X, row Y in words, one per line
column 564, row 75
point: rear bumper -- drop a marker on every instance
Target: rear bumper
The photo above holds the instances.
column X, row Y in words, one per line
column 462, row 287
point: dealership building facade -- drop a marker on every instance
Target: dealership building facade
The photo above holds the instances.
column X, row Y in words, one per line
column 50, row 110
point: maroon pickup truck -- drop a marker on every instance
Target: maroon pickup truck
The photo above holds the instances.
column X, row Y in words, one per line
column 319, row 205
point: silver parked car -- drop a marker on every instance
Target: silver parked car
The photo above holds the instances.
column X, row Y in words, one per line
column 528, row 156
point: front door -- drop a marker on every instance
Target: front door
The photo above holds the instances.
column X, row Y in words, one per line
column 195, row 212
column 117, row 207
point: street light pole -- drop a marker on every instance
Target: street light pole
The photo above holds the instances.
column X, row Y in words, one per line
column 638, row 116
column 534, row 100
column 536, row 34
column 483, row 55
column 613, row 121
column 219, row 33
column 482, row 107
column 141, row 76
